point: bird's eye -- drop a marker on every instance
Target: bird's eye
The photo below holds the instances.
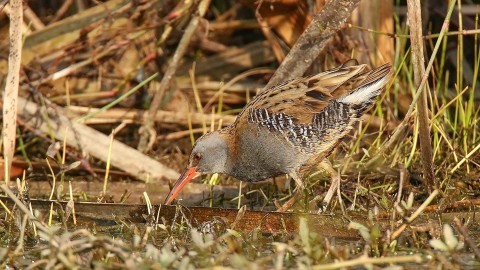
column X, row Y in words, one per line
column 197, row 157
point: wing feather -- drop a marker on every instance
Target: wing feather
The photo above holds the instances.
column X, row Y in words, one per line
column 310, row 110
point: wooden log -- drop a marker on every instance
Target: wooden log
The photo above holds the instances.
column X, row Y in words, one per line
column 326, row 225
column 53, row 121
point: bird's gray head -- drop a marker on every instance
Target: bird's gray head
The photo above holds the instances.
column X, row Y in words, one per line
column 209, row 154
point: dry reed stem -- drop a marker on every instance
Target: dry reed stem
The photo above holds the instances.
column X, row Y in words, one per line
column 418, row 62
column 465, row 158
column 134, row 116
column 234, row 80
column 107, row 166
column 233, row 25
column 11, row 87
column 62, row 10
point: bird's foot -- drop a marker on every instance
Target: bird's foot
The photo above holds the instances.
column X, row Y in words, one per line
column 334, row 187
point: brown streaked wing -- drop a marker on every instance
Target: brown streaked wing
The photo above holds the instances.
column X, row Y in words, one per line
column 301, row 98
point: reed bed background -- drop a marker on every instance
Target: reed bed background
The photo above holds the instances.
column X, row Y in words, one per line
column 113, row 94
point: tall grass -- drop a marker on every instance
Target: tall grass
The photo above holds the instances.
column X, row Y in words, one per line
column 453, row 110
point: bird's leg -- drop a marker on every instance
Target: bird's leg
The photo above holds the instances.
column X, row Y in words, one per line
column 297, row 193
column 334, row 186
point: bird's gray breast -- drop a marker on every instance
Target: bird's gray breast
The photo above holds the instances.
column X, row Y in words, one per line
column 261, row 155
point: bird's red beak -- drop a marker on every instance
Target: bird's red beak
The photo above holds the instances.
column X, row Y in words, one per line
column 186, row 176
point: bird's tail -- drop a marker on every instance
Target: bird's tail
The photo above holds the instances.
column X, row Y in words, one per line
column 363, row 97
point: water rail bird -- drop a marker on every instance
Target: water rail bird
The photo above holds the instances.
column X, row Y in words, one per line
column 289, row 129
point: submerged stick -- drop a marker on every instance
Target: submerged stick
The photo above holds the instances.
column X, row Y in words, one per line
column 268, row 222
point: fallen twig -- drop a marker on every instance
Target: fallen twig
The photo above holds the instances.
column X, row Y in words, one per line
column 274, row 222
